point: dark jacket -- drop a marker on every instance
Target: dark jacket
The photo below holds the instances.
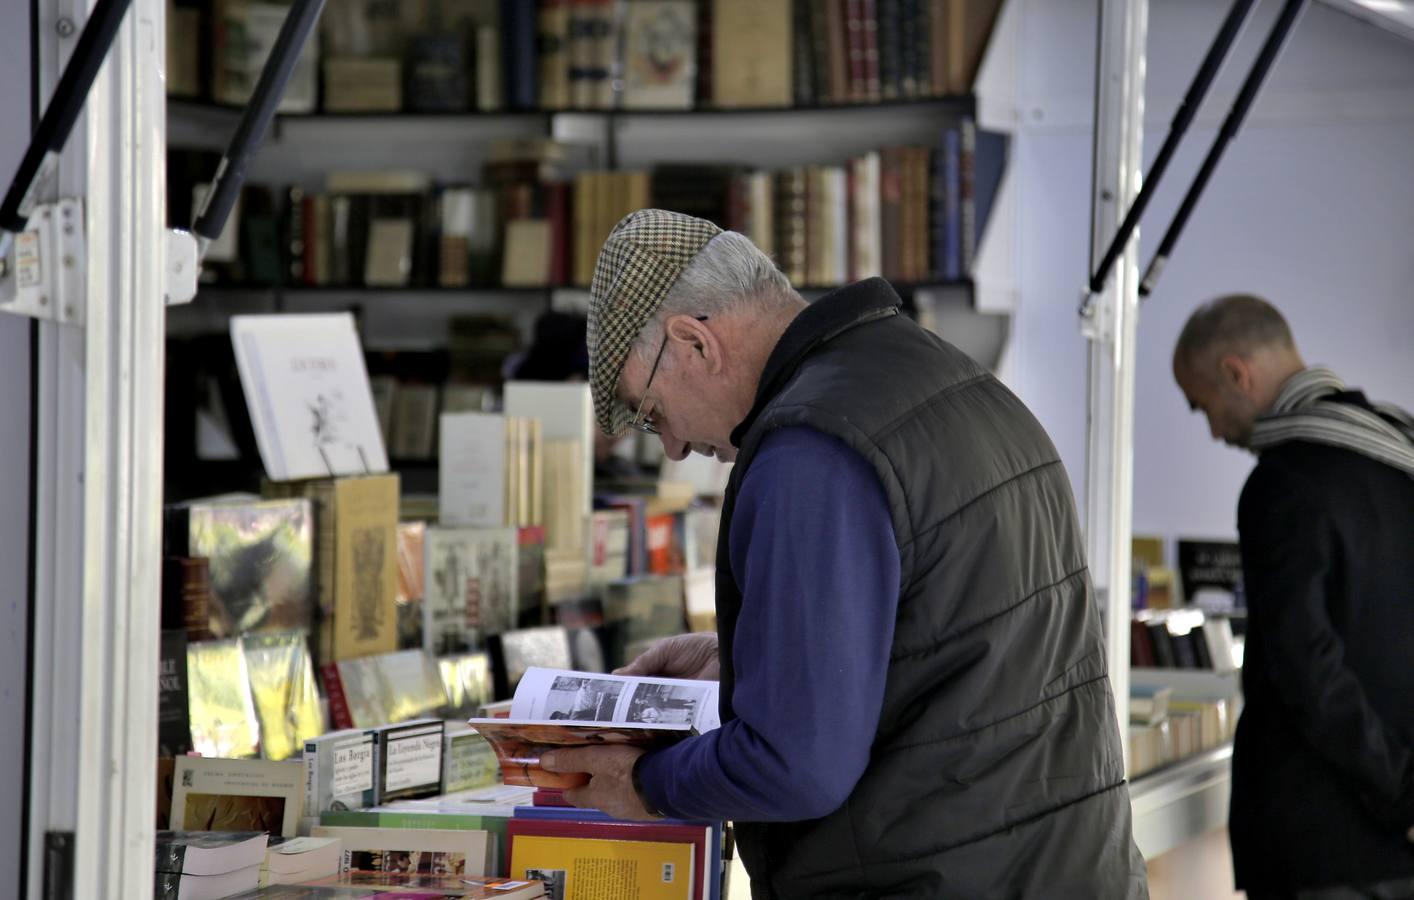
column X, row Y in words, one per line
column 1323, row 764
column 996, row 768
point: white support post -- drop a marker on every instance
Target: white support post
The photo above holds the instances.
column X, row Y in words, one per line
column 1110, row 324
column 99, row 479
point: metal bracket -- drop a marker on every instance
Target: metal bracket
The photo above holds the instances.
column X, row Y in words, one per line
column 183, row 265
column 43, row 275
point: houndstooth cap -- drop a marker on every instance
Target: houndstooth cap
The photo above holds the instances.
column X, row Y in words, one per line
column 641, row 261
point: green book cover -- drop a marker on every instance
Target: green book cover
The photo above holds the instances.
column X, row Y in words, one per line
column 394, row 818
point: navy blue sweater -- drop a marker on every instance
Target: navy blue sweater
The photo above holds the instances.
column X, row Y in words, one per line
column 813, row 551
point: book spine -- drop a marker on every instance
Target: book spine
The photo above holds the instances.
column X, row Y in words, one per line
column 967, row 195
column 869, row 22
column 339, row 715
column 518, row 24
column 854, row 45
column 837, row 29
column 952, row 219
column 921, row 26
column 888, row 39
column 803, row 55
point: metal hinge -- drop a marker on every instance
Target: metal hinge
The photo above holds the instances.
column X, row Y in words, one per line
column 44, row 275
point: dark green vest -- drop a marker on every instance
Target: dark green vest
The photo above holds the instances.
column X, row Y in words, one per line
column 996, row 770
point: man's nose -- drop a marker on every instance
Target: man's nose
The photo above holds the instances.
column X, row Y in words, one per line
column 673, row 448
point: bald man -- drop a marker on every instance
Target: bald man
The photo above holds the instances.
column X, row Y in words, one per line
column 1323, row 766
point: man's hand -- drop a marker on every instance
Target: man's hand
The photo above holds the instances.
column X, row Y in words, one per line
column 610, row 787
column 684, row 656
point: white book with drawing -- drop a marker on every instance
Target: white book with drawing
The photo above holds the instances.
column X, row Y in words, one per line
column 309, row 397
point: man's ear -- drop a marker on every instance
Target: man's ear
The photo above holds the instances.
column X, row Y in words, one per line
column 1236, row 372
column 700, row 340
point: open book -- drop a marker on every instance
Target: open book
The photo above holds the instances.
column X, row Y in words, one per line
column 554, row 708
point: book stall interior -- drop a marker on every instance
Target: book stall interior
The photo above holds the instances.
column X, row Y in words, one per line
column 399, row 559
column 387, row 505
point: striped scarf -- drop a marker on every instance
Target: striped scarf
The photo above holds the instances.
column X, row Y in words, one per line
column 1385, row 434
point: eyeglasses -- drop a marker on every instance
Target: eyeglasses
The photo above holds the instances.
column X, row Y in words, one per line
column 640, row 421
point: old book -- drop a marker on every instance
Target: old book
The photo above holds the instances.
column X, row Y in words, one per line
column 566, row 413
column 354, row 84
column 490, row 91
column 468, row 761
column 470, row 586
column 390, row 247
column 526, row 260
column 553, row 30
column 473, row 469
column 415, row 421
column 531, row 609
column 365, row 587
column 437, row 73
column 751, row 53
column 516, row 652
column 237, row 795
column 660, row 54
column 245, row 33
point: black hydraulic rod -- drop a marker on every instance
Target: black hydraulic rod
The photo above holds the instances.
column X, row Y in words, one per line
column 59, row 117
column 1202, row 81
column 1286, row 20
column 255, row 120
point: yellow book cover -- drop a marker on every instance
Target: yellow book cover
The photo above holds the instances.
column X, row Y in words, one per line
column 365, row 566
column 587, row 869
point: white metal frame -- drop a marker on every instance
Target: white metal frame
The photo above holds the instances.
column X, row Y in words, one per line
column 99, row 475
column 1110, row 325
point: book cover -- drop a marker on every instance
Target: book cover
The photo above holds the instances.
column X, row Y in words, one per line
column 466, row 679
column 366, row 568
column 340, row 771
column 173, row 725
column 411, row 851
column 589, row 869
column 516, row 652
column 221, row 711
column 283, row 689
column 660, row 54
column 409, row 758
column 471, row 469
column 561, row 823
column 468, row 762
column 211, row 794
column 751, row 48
column 307, row 389
column 530, row 605
column 458, row 606
column 417, row 886
column 519, row 744
column 259, row 555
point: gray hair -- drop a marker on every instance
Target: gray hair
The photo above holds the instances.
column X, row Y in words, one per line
column 1234, row 324
column 728, row 274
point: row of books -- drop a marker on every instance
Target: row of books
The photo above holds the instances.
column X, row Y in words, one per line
column 1182, row 639
column 431, row 798
column 588, row 54
column 1165, row 729
column 911, row 214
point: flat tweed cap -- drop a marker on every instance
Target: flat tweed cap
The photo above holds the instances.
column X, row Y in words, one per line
column 641, row 261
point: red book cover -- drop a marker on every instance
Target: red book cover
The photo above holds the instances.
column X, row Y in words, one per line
column 557, row 203
column 664, row 558
column 339, row 715
column 549, row 797
column 696, row 835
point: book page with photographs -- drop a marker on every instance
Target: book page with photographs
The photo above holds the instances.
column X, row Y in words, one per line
column 555, row 695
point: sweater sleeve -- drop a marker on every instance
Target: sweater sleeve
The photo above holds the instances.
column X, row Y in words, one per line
column 813, row 552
